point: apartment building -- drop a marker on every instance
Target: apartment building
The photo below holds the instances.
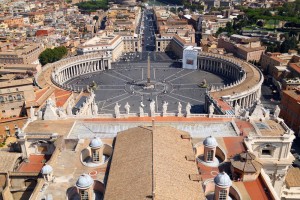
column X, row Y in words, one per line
column 13, row 95
column 12, row 21
column 112, row 44
column 276, row 63
column 290, row 108
column 24, row 53
column 243, row 47
column 174, row 33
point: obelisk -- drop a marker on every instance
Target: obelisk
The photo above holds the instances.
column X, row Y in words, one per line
column 148, row 72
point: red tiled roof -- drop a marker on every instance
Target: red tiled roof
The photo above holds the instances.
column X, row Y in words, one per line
column 295, row 66
column 245, row 127
column 35, row 164
column 224, row 105
column 40, row 93
column 256, row 190
column 234, row 145
column 207, row 172
column 61, row 96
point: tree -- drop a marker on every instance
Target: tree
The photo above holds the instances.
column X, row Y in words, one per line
column 260, row 23
column 288, row 44
column 95, row 18
column 52, row 55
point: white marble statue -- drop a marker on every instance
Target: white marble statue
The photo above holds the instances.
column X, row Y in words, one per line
column 237, row 109
column 95, row 108
column 152, row 108
column 179, row 109
column 141, row 109
column 127, row 108
column 267, row 113
column 188, row 109
column 276, row 111
column 69, row 109
column 32, row 115
column 211, row 109
column 165, row 107
column 50, row 111
column 117, row 110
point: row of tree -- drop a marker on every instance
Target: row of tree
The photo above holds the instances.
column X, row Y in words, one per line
column 93, row 5
column 52, row 55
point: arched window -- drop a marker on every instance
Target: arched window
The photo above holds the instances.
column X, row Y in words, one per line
column 210, row 155
column 223, row 195
column 84, row 195
column 95, row 156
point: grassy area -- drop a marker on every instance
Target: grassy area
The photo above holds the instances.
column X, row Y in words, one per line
column 271, row 24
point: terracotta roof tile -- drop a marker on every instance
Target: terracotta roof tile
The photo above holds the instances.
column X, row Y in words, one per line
column 292, row 177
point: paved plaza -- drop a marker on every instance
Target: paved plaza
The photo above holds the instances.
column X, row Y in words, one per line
column 126, row 83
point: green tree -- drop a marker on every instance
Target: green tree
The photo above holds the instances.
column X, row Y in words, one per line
column 52, row 55
column 288, row 44
column 95, row 18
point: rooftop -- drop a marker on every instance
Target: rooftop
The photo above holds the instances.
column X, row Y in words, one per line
column 149, row 155
column 292, row 178
column 8, row 160
column 269, row 128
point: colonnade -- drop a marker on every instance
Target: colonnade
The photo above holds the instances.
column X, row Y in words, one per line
column 235, row 93
column 79, row 65
column 247, row 101
column 227, row 69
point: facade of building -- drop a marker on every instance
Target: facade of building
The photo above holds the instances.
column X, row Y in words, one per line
column 13, row 96
column 116, row 45
column 27, row 53
column 290, row 106
column 243, row 47
column 276, row 64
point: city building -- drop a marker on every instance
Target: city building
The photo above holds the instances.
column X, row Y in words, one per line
column 275, row 64
column 26, row 53
column 14, row 94
column 243, row 47
column 290, row 106
column 174, row 33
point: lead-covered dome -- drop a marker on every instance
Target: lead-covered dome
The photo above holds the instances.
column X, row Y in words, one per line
column 223, row 180
column 96, row 143
column 210, row 142
column 47, row 169
column 84, row 181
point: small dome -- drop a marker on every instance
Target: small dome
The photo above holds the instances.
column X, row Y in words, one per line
column 96, row 143
column 210, row 142
column 84, row 181
column 223, row 180
column 47, row 169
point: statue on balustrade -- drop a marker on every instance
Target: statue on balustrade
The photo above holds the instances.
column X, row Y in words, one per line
column 117, row 110
column 188, row 109
column 211, row 109
column 141, row 109
column 127, row 108
column 165, row 107
column 152, row 108
column 95, row 108
column 179, row 109
column 276, row 111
